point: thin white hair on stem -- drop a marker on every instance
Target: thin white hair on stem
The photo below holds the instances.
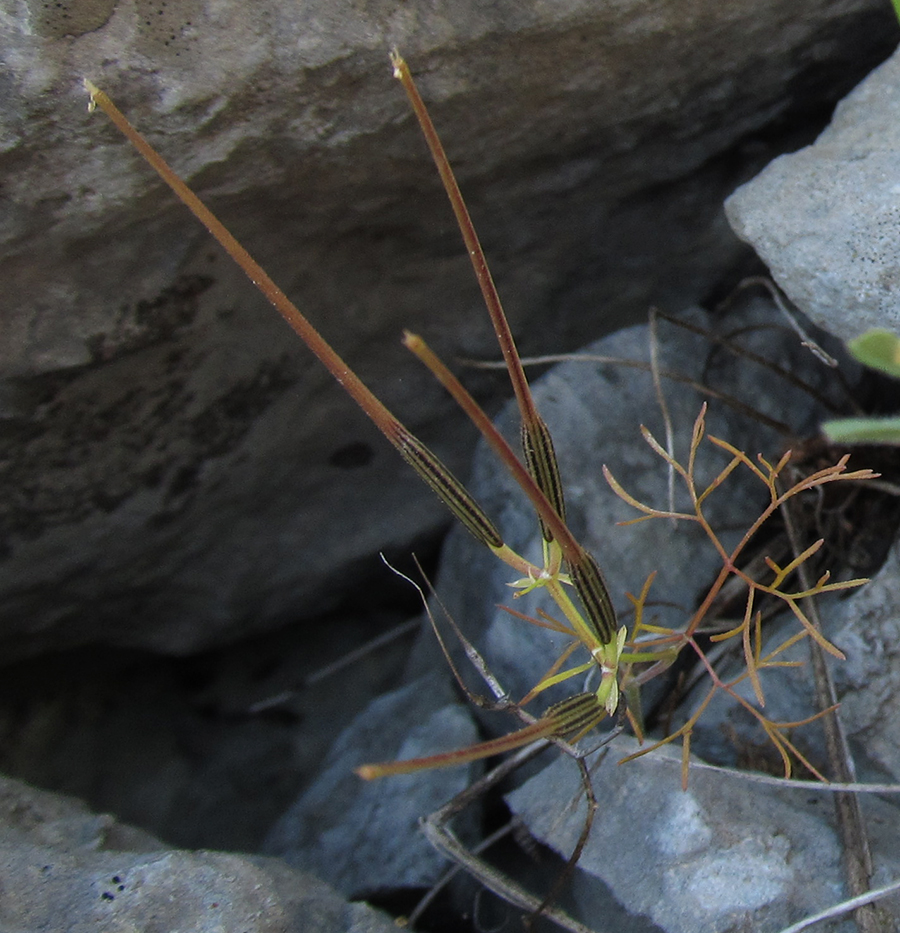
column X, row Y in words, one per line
column 844, row 907
column 757, row 777
column 472, row 653
column 502, row 702
column 781, row 304
column 664, row 410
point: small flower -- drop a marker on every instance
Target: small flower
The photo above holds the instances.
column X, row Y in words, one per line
column 607, row 657
column 532, row 582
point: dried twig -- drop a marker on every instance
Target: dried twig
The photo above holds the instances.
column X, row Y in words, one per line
column 782, row 305
column 672, row 374
column 439, row 834
column 758, row 777
column 663, row 407
column 454, row 870
column 844, row 907
column 851, row 824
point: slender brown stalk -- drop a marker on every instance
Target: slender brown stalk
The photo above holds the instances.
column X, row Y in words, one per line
column 586, row 574
column 540, row 456
column 473, row 245
column 570, row 719
column 429, row 467
column 545, row 507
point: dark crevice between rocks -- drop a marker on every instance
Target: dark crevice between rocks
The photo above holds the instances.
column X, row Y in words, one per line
column 205, row 751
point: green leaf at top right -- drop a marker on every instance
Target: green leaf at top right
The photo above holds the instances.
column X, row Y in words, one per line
column 879, row 349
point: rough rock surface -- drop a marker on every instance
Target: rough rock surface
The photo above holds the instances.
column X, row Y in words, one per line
column 65, row 868
column 722, row 855
column 864, row 626
column 825, row 219
column 172, row 459
column 364, row 836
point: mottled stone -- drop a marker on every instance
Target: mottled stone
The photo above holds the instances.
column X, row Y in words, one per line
column 177, row 472
column 724, row 854
column 825, row 219
column 364, row 836
column 65, row 868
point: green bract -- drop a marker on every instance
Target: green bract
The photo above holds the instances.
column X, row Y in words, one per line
column 878, row 349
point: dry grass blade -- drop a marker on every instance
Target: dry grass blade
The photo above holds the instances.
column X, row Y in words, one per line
column 744, row 353
column 663, row 407
column 844, row 907
column 851, row 824
column 440, row 835
column 779, row 301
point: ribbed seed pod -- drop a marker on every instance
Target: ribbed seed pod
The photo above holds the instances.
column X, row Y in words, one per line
column 449, row 489
column 594, row 593
column 576, row 715
column 540, row 459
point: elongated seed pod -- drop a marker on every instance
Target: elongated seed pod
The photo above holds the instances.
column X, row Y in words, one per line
column 540, row 459
column 449, row 489
column 576, row 715
column 594, row 593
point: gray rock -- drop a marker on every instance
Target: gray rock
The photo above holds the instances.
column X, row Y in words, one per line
column 722, row 855
column 65, row 868
column 865, row 628
column 824, row 219
column 730, row 735
column 171, row 458
column 364, row 836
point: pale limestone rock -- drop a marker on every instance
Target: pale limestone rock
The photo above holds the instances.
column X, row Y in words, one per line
column 177, row 472
column 825, row 219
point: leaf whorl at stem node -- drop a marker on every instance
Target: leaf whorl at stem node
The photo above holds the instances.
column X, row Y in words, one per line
column 448, row 488
column 594, row 593
column 540, row 459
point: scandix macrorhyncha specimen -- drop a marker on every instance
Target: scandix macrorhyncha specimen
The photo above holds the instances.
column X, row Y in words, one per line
column 626, row 657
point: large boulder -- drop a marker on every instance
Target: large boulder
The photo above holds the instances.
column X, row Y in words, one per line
column 65, row 868
column 825, row 219
column 724, row 854
column 177, row 471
